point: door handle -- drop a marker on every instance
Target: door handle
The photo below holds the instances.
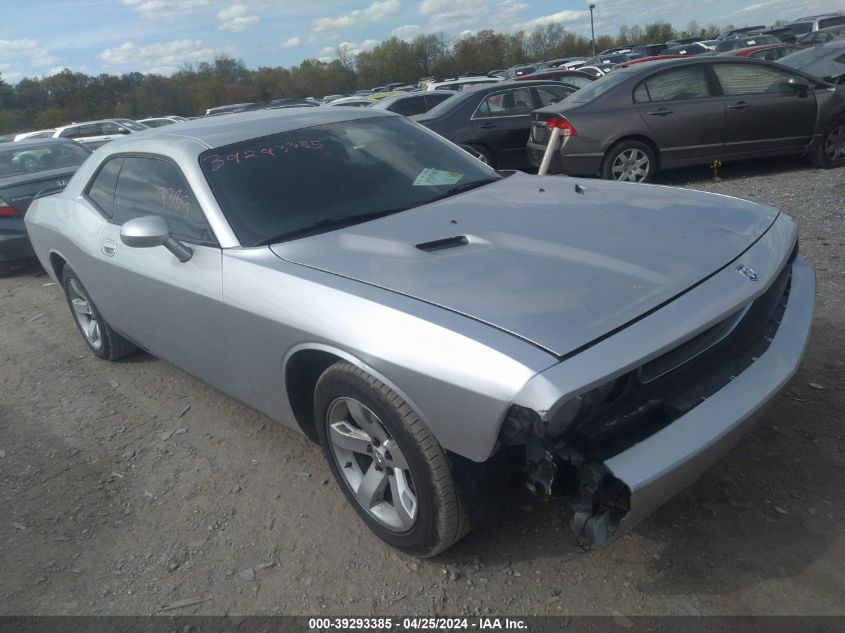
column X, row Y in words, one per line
column 109, row 248
column 661, row 112
column 487, row 126
column 740, row 105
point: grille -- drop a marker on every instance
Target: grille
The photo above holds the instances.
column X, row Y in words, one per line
column 671, row 385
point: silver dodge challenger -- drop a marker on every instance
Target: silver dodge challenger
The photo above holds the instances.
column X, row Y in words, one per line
column 362, row 280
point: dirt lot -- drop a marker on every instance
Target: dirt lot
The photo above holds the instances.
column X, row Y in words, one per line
column 127, row 487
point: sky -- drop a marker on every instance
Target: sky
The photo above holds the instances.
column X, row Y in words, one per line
column 42, row 37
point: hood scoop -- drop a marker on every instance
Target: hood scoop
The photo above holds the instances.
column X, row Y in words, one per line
column 441, row 245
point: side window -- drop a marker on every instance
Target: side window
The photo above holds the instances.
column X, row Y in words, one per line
column 155, row 186
column 101, row 189
column 71, row 132
column 689, row 82
column 751, row 79
column 510, row 103
column 93, row 129
column 552, row 94
column 826, row 22
column 435, row 98
column 110, row 129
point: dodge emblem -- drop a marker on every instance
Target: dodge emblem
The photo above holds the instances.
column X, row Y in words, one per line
column 742, row 269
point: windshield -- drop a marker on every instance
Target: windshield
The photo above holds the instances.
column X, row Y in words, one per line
column 315, row 179
column 597, row 88
column 35, row 158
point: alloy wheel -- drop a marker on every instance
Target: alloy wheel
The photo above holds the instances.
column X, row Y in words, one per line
column 372, row 464
column 834, row 146
column 84, row 315
column 630, row 165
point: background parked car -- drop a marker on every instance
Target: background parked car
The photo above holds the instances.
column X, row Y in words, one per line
column 744, row 42
column 161, row 121
column 462, row 83
column 575, row 79
column 353, row 102
column 767, row 52
column 694, row 48
column 27, row 168
column 823, row 36
column 665, row 114
column 826, row 61
column 494, row 120
column 93, row 134
column 802, row 26
column 34, row 134
column 412, row 103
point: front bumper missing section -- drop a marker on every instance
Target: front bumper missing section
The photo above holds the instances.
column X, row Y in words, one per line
column 614, row 494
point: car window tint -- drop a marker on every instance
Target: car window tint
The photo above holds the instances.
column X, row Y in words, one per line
column 825, row 22
column 435, row 99
column 689, row 82
column 71, row 132
column 508, row 103
column 551, row 94
column 409, row 106
column 101, row 189
column 154, row 186
column 749, row 79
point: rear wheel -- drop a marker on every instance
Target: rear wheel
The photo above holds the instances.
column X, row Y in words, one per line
column 100, row 338
column 387, row 462
column 629, row 161
column 830, row 151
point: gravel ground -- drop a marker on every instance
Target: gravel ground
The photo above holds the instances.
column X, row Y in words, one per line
column 129, row 488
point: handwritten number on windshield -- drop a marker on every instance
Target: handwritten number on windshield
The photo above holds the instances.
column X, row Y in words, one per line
column 216, row 161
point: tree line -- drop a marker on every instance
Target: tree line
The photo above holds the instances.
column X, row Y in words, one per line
column 35, row 103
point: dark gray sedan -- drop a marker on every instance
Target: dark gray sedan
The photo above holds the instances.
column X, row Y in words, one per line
column 673, row 113
column 26, row 169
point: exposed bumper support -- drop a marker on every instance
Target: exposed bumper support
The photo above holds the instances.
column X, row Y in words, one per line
column 618, row 493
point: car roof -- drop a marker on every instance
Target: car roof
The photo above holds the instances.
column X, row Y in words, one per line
column 111, row 120
column 224, row 130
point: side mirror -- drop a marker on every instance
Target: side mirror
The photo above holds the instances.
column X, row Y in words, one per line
column 153, row 230
column 799, row 84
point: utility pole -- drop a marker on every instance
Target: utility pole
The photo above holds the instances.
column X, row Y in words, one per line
column 592, row 29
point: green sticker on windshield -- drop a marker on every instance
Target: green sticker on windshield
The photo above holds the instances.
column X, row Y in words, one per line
column 432, row 177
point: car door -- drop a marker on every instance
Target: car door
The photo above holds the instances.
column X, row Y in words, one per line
column 501, row 122
column 683, row 112
column 764, row 114
column 171, row 308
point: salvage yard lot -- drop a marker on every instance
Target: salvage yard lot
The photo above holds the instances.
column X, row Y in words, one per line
column 128, row 487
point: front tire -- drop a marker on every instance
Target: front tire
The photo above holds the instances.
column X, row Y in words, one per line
column 387, row 462
column 629, row 161
column 96, row 332
column 830, row 151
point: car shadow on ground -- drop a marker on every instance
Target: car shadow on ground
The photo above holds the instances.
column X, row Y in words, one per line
column 732, row 170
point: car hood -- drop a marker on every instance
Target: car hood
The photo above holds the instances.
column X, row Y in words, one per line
column 538, row 258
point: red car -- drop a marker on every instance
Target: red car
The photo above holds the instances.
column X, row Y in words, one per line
column 768, row 52
column 649, row 59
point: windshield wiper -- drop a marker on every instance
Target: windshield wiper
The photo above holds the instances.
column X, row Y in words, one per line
column 467, row 186
column 333, row 222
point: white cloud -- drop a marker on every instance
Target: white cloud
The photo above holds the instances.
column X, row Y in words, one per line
column 348, row 49
column 291, row 43
column 43, row 58
column 236, row 18
column 163, row 10
column 378, row 11
column 12, row 77
column 239, row 24
column 161, row 57
column 451, row 14
column 406, row 31
column 561, row 16
column 10, row 47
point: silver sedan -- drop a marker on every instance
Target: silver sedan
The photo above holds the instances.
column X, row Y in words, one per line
column 360, row 279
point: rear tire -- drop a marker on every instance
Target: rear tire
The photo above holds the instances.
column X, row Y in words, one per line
column 387, row 462
column 96, row 332
column 830, row 152
column 629, row 161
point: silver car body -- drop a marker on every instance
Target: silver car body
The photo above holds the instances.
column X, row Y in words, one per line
column 561, row 286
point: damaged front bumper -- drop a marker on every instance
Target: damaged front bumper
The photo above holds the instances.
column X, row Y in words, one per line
column 616, row 485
